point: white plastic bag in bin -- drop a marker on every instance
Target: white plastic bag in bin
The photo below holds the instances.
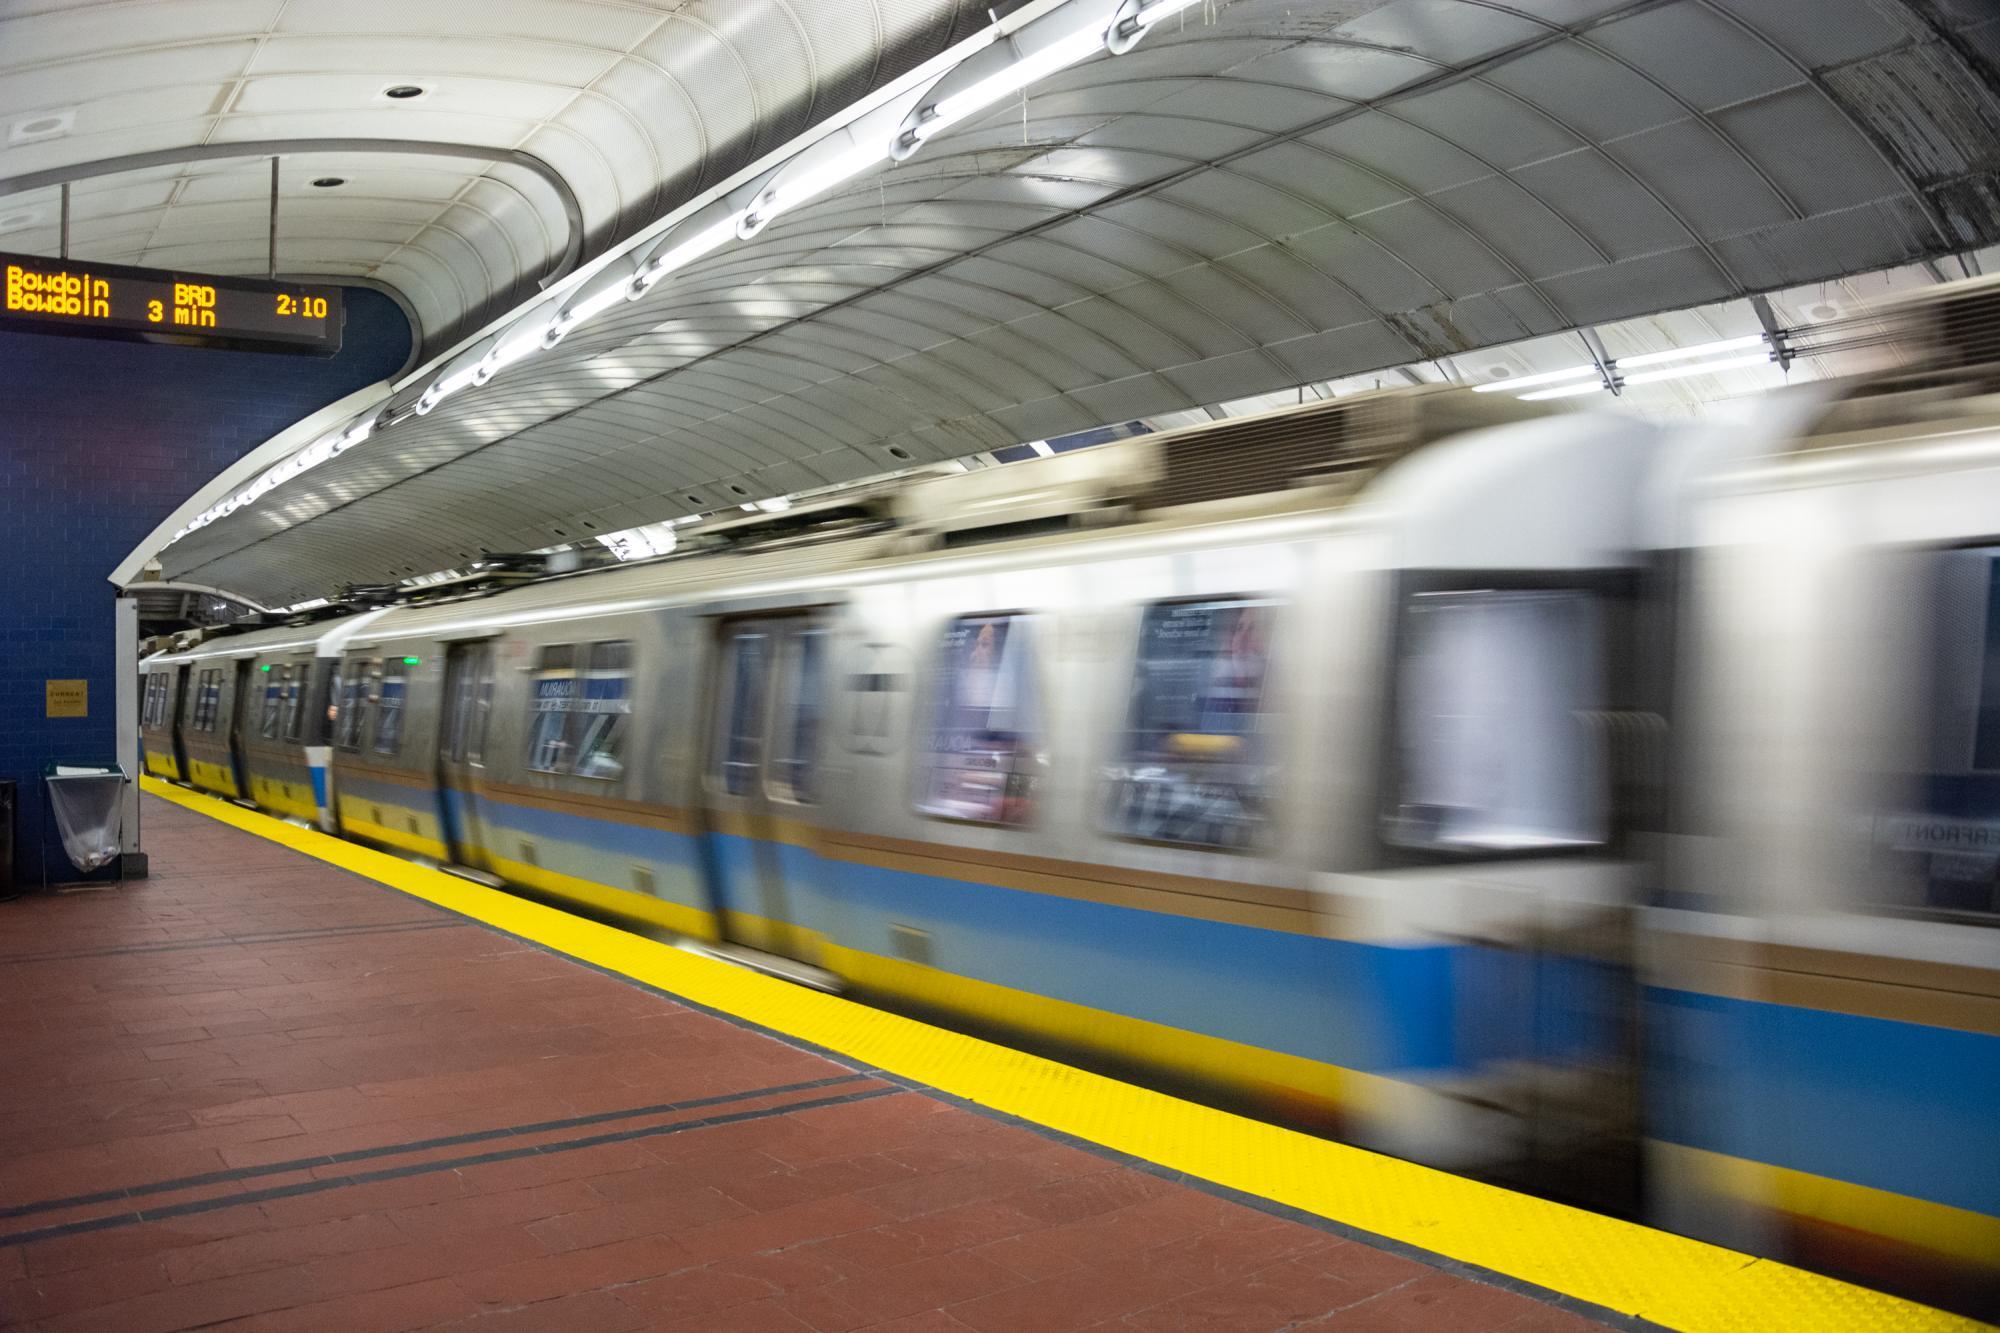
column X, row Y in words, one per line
column 89, row 806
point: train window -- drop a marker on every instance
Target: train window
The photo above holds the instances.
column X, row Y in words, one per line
column 274, row 700
column 555, row 684
column 1194, row 767
column 389, row 708
column 350, row 708
column 599, row 719
column 149, row 716
column 741, row 721
column 980, row 762
column 295, row 700
column 803, row 684
column 208, row 700
column 471, row 682
column 1496, row 751
column 1945, row 830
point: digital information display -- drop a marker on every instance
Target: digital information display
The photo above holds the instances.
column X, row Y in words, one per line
column 108, row 300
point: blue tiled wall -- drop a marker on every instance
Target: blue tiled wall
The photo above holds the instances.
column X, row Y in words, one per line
column 99, row 441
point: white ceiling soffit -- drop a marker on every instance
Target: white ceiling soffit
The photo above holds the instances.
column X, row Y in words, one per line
column 628, row 106
column 1260, row 194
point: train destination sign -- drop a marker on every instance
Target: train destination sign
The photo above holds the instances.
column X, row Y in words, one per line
column 108, row 300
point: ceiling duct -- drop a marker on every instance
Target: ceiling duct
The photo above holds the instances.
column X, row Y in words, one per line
column 1344, row 438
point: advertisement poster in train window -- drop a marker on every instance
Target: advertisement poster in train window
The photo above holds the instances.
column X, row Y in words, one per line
column 980, row 762
column 555, row 686
column 1194, row 769
column 602, row 711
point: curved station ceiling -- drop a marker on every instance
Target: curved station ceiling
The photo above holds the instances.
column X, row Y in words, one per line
column 1242, row 198
column 478, row 148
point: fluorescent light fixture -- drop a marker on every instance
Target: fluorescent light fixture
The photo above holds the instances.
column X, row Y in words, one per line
column 1565, row 391
column 1041, row 448
column 1057, row 55
column 640, row 543
column 446, row 387
column 1690, row 353
column 1701, row 368
column 704, row 242
column 1150, row 14
column 811, row 184
column 331, row 445
column 595, row 304
column 1528, row 381
column 310, row 604
column 505, row 353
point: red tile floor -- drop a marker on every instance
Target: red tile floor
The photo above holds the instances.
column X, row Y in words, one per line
column 255, row 1091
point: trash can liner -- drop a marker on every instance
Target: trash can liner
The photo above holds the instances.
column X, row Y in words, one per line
column 90, row 815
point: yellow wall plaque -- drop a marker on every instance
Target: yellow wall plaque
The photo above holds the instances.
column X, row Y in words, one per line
column 68, row 698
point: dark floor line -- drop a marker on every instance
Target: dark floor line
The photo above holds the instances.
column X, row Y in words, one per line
column 427, row 1168
column 223, row 941
column 419, row 1145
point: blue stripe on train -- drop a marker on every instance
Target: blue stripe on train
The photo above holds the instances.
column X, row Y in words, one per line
column 1410, row 1009
column 1371, row 1007
column 1896, row 1106
column 636, row 841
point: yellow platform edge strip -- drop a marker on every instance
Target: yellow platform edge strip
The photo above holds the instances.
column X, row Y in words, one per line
column 1619, row 1266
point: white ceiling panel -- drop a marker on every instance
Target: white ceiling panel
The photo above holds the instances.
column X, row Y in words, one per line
column 1262, row 193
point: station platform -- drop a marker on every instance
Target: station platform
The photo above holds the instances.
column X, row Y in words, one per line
column 292, row 1083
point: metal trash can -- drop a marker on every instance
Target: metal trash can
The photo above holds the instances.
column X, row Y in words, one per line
column 87, row 803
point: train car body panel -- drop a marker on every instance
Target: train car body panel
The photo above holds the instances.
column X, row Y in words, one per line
column 1827, row 992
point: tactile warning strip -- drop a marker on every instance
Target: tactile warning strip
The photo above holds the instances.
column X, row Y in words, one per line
column 1620, row 1266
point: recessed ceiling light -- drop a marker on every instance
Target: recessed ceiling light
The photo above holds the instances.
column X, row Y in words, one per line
column 403, row 92
column 328, row 182
column 16, row 221
column 42, row 125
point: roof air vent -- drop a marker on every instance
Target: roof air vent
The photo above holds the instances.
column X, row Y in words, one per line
column 1351, row 438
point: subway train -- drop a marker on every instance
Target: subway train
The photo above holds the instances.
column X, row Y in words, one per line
column 1607, row 808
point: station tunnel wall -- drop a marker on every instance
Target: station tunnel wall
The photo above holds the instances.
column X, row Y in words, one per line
column 100, row 441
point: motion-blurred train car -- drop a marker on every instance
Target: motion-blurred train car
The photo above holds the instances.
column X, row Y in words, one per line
column 1338, row 763
column 1824, row 1001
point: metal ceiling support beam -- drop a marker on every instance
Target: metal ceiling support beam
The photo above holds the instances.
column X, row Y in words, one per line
column 272, row 148
column 1780, row 336
column 1605, row 369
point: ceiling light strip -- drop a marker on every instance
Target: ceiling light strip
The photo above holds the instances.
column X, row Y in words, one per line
column 1122, row 25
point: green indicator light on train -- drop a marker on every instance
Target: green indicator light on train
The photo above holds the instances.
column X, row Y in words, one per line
column 413, row 661
column 265, row 667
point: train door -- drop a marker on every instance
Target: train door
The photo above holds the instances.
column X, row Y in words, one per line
column 760, row 779
column 183, row 688
column 245, row 703
column 468, row 700
column 1522, row 776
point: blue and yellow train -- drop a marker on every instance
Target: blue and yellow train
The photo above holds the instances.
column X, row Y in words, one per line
column 1567, row 799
